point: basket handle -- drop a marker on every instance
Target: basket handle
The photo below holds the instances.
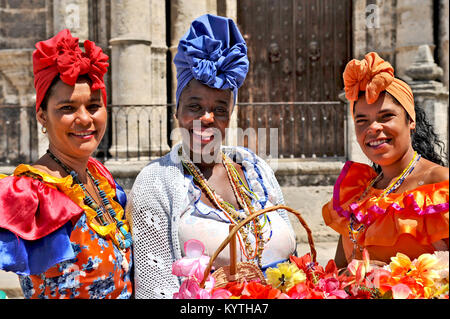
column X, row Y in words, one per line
column 249, row 219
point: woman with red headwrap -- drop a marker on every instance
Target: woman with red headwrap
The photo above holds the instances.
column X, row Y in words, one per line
column 62, row 223
column 401, row 203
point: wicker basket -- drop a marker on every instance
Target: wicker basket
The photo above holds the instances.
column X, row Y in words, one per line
column 245, row 270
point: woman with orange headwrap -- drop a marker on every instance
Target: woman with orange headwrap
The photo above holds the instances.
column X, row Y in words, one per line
column 62, row 226
column 401, row 203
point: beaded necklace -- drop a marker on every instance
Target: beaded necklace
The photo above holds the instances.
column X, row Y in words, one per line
column 242, row 194
column 122, row 239
column 352, row 231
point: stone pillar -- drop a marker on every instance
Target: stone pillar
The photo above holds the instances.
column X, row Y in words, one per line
column 429, row 93
column 374, row 28
column 131, row 70
column 16, row 73
column 182, row 13
column 443, row 39
column 73, row 15
column 159, row 50
column 414, row 28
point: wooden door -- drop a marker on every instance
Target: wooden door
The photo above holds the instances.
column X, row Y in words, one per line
column 297, row 51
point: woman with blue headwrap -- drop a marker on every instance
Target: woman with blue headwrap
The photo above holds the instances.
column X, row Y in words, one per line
column 201, row 187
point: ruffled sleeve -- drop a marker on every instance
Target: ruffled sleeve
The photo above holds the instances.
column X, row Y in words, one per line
column 421, row 213
column 35, row 225
column 31, row 209
column 407, row 222
column 351, row 183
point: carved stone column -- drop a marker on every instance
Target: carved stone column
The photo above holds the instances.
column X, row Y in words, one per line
column 430, row 94
column 16, row 73
column 443, row 39
column 414, row 28
column 131, row 69
column 159, row 51
column 73, row 15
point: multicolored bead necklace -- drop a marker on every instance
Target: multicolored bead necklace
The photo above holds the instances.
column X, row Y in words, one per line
column 353, row 233
column 122, row 238
column 243, row 197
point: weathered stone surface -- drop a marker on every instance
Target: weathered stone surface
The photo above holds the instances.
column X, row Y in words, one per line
column 423, row 68
column 72, row 14
column 22, row 23
column 431, row 95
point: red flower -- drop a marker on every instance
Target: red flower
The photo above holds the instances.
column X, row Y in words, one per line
column 255, row 290
column 312, row 269
column 236, row 287
column 304, row 291
column 331, row 269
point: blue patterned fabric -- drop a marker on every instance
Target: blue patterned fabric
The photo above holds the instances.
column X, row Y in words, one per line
column 121, row 196
column 213, row 52
column 70, row 278
column 25, row 257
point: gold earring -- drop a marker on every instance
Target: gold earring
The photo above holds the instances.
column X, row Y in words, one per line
column 43, row 130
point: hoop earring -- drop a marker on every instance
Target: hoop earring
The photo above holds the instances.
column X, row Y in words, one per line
column 43, row 130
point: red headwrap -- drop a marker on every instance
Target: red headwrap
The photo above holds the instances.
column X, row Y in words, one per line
column 374, row 75
column 62, row 55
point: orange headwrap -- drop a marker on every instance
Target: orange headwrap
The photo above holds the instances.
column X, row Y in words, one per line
column 374, row 75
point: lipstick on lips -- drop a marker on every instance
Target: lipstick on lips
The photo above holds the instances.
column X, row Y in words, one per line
column 85, row 135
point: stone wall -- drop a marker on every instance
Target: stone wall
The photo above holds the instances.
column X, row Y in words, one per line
column 22, row 23
column 443, row 53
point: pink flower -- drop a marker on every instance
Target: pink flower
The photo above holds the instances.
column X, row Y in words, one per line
column 330, row 286
column 401, row 291
column 190, row 289
column 194, row 264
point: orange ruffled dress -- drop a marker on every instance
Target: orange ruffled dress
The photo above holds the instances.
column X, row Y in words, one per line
column 97, row 270
column 406, row 222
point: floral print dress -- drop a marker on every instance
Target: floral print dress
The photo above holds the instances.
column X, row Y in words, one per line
column 98, row 270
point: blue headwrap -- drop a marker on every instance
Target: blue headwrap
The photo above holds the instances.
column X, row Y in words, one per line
column 214, row 52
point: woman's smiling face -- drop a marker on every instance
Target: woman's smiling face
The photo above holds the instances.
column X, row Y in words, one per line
column 75, row 118
column 382, row 129
column 204, row 112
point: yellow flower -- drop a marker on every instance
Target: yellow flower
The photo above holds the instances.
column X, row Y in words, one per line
column 419, row 275
column 285, row 276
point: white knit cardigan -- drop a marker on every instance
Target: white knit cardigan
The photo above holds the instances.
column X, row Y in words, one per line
column 157, row 199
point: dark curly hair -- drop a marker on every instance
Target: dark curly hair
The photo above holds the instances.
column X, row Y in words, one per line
column 425, row 140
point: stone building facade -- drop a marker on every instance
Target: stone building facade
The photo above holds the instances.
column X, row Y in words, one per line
column 141, row 38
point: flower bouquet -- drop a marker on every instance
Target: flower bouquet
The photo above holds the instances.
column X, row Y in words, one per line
column 303, row 278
